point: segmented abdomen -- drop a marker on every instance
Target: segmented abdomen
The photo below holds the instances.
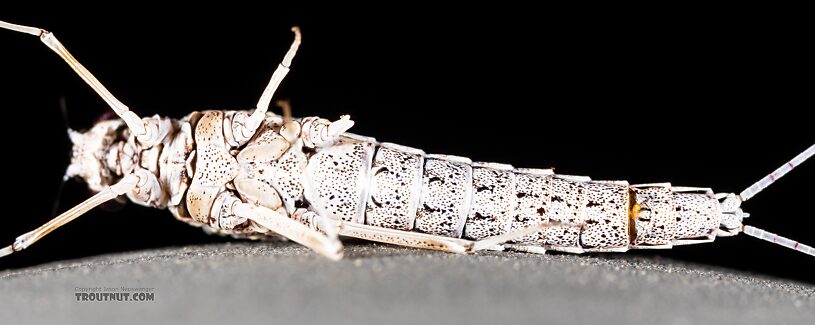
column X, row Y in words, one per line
column 392, row 186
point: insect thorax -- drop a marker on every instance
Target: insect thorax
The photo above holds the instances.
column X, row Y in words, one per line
column 102, row 155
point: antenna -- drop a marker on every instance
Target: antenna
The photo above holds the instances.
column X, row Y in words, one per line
column 776, row 174
column 778, row 240
column 765, row 182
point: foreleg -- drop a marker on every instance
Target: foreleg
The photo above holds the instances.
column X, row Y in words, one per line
column 130, row 182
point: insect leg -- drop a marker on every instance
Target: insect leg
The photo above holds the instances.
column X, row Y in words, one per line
column 149, row 130
column 434, row 242
column 128, row 183
column 318, row 132
column 291, row 229
column 245, row 125
column 378, row 234
column 404, row 238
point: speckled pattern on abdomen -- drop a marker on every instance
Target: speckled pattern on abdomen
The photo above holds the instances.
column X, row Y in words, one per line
column 397, row 187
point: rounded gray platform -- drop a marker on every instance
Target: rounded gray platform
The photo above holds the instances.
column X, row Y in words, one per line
column 284, row 283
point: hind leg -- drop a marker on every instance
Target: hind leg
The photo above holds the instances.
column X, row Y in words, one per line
column 278, row 222
column 413, row 239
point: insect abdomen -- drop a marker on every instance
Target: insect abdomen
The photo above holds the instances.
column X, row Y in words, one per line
column 494, row 202
column 446, row 195
column 336, row 178
column 397, row 187
column 600, row 209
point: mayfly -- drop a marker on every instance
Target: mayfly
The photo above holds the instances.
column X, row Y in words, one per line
column 256, row 174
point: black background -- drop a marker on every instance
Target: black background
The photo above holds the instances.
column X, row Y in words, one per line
column 696, row 98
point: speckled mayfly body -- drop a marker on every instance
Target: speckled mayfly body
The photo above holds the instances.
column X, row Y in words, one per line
column 255, row 174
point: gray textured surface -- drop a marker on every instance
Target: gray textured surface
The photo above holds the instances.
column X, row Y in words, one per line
column 286, row 284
